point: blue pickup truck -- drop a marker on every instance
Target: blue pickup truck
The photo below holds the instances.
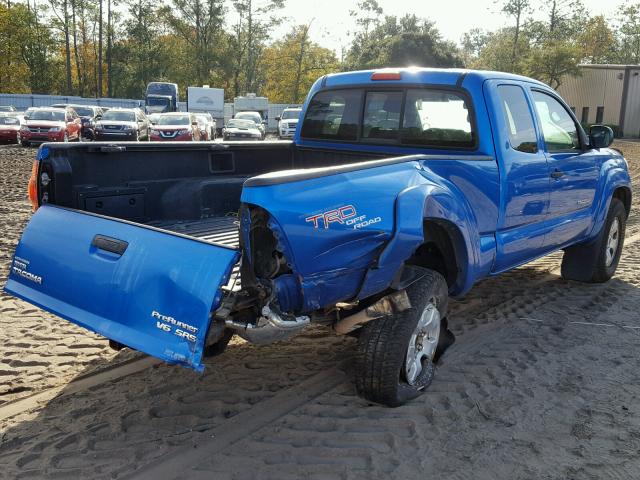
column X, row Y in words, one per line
column 401, row 188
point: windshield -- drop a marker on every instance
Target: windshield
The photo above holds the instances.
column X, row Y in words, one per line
column 238, row 123
column 50, row 115
column 157, row 101
column 119, row 116
column 203, row 118
column 84, row 111
column 4, row 108
column 173, row 120
column 289, row 114
column 253, row 116
column 9, row 121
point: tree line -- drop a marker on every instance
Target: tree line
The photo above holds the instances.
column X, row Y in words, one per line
column 113, row 48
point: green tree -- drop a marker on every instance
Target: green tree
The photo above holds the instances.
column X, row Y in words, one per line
column 473, row 43
column 292, row 64
column 404, row 41
column 516, row 9
column 628, row 30
column 144, row 60
column 256, row 19
column 199, row 23
column 597, row 41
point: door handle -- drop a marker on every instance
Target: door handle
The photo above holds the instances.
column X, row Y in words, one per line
column 109, row 244
column 557, row 174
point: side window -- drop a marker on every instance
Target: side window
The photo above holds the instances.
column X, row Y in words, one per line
column 559, row 129
column 517, row 116
column 382, row 115
column 333, row 115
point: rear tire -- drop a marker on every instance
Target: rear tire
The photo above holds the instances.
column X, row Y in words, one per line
column 396, row 354
column 597, row 261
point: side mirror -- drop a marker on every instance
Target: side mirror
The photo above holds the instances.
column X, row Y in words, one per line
column 98, row 117
column 600, row 136
column 277, row 119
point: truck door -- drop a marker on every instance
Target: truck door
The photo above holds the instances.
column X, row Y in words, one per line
column 524, row 175
column 572, row 169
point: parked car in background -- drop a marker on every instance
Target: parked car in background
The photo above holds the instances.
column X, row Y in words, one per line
column 50, row 125
column 210, row 124
column 89, row 116
column 29, row 111
column 7, row 108
column 176, row 127
column 240, row 129
column 288, row 122
column 129, row 124
column 10, row 128
column 256, row 118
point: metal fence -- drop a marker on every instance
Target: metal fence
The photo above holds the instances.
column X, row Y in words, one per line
column 24, row 101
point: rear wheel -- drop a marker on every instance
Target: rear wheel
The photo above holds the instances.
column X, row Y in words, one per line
column 597, row 261
column 396, row 354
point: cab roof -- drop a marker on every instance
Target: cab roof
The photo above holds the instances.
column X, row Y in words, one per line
column 417, row 75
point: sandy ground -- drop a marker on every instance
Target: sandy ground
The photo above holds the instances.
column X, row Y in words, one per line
column 542, row 383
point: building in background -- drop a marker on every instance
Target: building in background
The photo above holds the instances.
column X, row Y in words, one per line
column 606, row 94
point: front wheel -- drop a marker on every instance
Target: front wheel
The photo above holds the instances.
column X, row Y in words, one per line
column 396, row 354
column 597, row 261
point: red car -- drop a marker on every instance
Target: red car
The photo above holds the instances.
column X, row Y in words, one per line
column 51, row 125
column 9, row 129
column 176, row 127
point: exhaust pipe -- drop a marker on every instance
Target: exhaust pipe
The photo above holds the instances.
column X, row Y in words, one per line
column 393, row 303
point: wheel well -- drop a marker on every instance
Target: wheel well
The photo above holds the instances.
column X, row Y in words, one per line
column 624, row 195
column 440, row 250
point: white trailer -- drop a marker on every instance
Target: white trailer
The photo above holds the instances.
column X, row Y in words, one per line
column 207, row 100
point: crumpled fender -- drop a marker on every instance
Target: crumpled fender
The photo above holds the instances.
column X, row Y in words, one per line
column 441, row 201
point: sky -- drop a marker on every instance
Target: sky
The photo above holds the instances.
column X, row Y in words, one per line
column 332, row 23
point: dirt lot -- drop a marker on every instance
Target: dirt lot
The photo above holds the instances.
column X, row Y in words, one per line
column 543, row 383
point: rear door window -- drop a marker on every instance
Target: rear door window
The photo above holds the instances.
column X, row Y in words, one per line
column 381, row 120
column 333, row 115
column 436, row 118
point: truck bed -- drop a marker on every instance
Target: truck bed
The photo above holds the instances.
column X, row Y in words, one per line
column 221, row 230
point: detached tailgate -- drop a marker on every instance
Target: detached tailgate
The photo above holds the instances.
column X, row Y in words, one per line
column 145, row 288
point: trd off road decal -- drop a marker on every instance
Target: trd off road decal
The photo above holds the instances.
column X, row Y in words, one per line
column 345, row 215
column 20, row 268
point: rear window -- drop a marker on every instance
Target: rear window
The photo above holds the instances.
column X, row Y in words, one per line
column 415, row 117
